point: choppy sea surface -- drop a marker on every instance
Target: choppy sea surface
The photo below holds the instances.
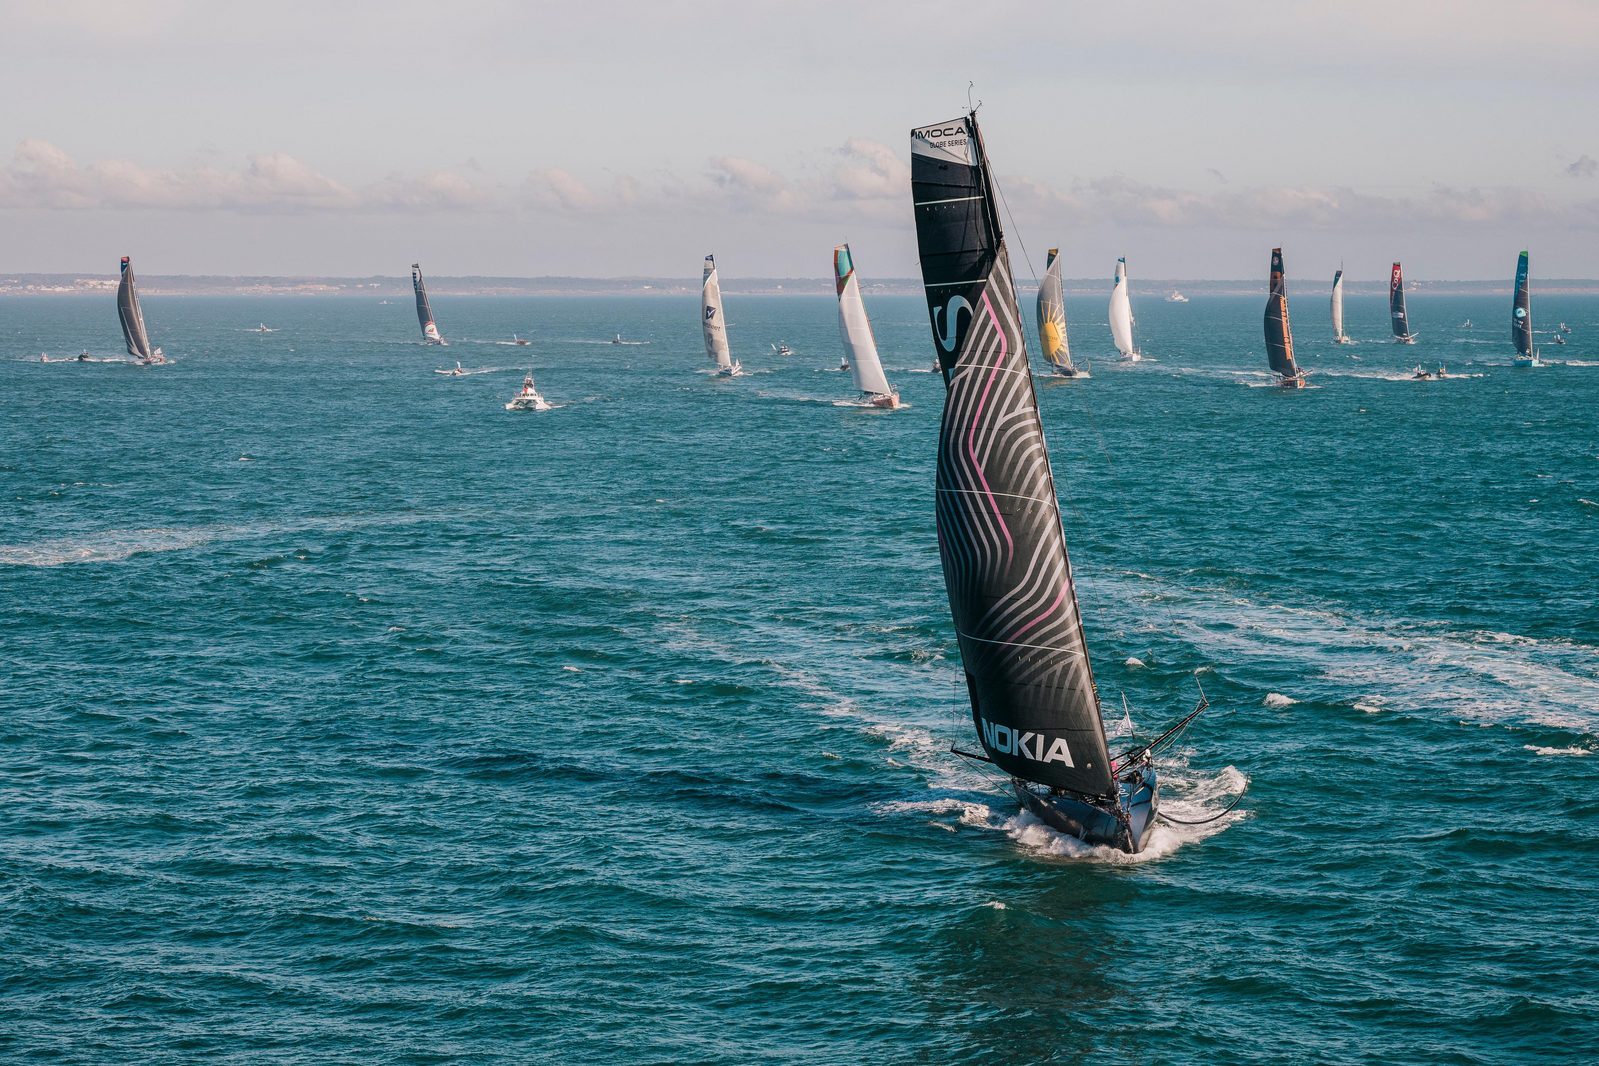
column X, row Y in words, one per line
column 349, row 717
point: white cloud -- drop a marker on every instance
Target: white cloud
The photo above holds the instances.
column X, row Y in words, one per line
column 1584, row 166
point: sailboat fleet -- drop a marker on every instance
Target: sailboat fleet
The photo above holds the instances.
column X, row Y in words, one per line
column 1035, row 708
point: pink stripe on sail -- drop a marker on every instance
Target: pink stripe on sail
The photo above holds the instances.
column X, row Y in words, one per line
column 1047, row 611
column 971, row 432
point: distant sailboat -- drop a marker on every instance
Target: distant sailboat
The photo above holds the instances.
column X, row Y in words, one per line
column 1521, row 317
column 1025, row 659
column 711, row 320
column 528, row 399
column 1175, row 297
column 134, row 334
column 1339, row 336
column 860, row 347
column 1396, row 307
column 424, row 312
column 262, row 328
column 1279, row 333
column 520, row 342
column 1052, row 320
column 1121, row 315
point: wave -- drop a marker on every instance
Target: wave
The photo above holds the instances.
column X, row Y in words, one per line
column 1278, row 700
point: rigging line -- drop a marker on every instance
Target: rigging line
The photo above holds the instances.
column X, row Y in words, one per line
column 992, row 180
column 1204, row 821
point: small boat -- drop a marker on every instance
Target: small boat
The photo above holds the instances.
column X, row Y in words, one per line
column 1422, row 375
column 1121, row 315
column 1175, row 297
column 1559, row 339
column 262, row 328
column 424, row 311
column 1052, row 321
column 134, row 335
column 1339, row 336
column 528, row 399
column 1279, row 333
column 1521, row 316
column 856, row 330
column 1396, row 307
column 781, row 348
column 455, row 373
column 520, row 342
column 1024, row 657
column 1563, row 328
column 1466, row 324
column 711, row 321
column 617, row 339
column 82, row 357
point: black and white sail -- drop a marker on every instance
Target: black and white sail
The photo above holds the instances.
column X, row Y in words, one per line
column 999, row 529
column 1279, row 334
column 1396, row 305
column 424, row 311
column 134, row 335
column 1521, row 310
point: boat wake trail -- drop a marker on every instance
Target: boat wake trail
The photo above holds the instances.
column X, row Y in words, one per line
column 115, row 545
column 1384, row 666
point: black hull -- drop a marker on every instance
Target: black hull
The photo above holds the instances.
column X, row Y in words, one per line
column 1126, row 827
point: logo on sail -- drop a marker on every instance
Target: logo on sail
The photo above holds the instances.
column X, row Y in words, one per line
column 948, row 334
column 1005, row 740
column 710, row 313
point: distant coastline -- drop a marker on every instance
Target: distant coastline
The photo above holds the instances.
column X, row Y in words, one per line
column 399, row 287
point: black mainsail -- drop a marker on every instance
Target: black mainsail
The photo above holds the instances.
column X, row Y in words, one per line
column 424, row 312
column 1279, row 334
column 999, row 529
column 134, row 335
column 1521, row 311
column 1396, row 305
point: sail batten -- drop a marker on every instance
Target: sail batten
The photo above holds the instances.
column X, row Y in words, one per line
column 1000, row 539
column 1279, row 333
column 1052, row 314
column 1521, row 309
column 860, row 345
column 424, row 310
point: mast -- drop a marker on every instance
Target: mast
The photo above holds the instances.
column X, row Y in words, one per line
column 1006, row 569
column 1521, row 309
column 424, row 312
column 1396, row 302
column 1052, row 314
column 134, row 335
column 1279, row 334
column 1338, row 304
column 711, row 316
column 1121, row 311
column 860, row 346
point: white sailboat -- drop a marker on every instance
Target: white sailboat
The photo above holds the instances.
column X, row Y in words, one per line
column 715, row 328
column 1121, row 315
column 1339, row 337
column 528, row 399
column 860, row 347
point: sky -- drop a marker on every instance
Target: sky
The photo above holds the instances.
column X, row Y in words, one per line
column 606, row 139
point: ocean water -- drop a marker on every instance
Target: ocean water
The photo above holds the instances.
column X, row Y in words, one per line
column 348, row 717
